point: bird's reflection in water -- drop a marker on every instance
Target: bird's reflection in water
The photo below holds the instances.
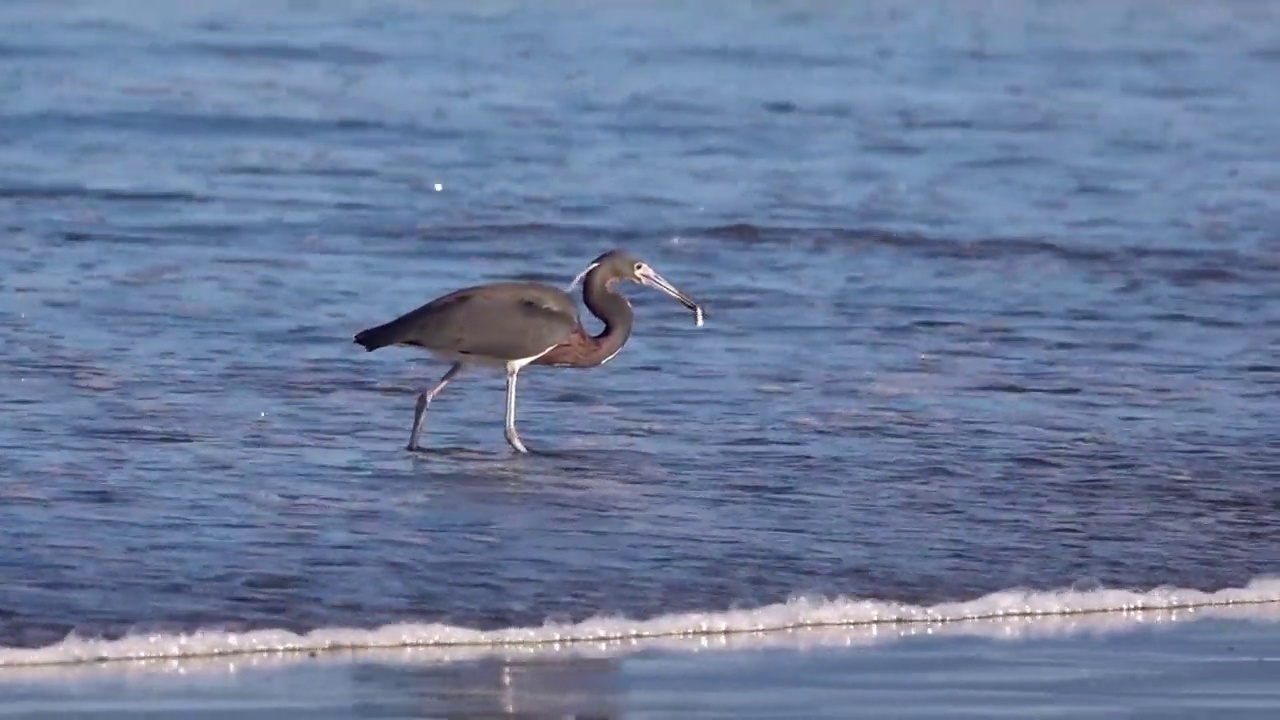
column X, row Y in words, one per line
column 529, row 689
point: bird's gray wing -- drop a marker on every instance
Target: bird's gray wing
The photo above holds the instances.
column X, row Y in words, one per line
column 509, row 321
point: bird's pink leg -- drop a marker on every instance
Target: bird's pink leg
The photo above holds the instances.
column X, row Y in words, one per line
column 424, row 401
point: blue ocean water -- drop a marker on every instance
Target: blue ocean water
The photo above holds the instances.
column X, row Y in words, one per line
column 993, row 295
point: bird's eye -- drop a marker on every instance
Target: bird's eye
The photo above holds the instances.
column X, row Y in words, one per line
column 639, row 267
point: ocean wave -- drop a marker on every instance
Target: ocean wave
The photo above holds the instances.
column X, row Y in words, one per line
column 1186, row 265
column 1005, row 614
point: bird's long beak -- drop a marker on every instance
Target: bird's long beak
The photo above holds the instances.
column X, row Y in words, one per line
column 654, row 280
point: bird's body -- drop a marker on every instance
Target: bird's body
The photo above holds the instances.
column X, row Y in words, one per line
column 515, row 324
column 520, row 320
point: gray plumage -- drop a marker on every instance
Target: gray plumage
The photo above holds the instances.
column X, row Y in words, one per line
column 488, row 324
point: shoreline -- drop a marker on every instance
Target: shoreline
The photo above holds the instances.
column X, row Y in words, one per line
column 1170, row 664
column 1012, row 628
column 811, row 617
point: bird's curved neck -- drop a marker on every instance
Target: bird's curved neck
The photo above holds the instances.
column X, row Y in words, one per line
column 612, row 309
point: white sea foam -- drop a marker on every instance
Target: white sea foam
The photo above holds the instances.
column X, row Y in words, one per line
column 798, row 622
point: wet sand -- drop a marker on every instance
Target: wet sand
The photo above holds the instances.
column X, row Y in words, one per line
column 1219, row 663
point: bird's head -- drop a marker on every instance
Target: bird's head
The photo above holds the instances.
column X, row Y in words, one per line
column 621, row 265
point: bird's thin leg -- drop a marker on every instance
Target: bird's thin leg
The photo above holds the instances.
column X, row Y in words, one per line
column 424, row 400
column 512, row 437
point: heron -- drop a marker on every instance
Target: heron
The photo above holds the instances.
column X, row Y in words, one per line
column 513, row 324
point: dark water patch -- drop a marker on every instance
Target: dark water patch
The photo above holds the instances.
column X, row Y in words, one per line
column 772, row 57
column 1202, row 321
column 323, row 52
column 271, row 261
column 107, row 238
column 170, row 436
column 197, row 231
column 1037, row 462
column 1203, row 276
column 1095, row 188
column 96, row 496
column 545, row 278
column 1175, row 91
column 911, row 120
column 893, row 147
column 1006, row 161
column 743, row 232
column 927, row 324
column 11, row 51
column 272, row 582
column 1271, row 54
column 575, row 397
column 761, row 441
column 319, row 171
column 169, row 123
column 324, row 386
column 73, row 192
column 1017, row 389
column 602, row 237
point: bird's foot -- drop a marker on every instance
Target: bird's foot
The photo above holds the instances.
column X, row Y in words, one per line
column 514, row 441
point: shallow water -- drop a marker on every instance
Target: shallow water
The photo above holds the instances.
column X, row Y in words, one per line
column 993, row 301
